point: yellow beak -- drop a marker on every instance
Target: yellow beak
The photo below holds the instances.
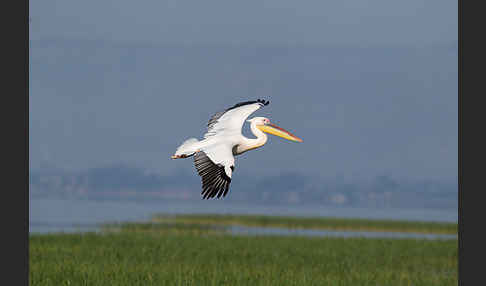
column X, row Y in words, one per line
column 278, row 131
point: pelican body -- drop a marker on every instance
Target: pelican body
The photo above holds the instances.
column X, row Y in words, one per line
column 214, row 155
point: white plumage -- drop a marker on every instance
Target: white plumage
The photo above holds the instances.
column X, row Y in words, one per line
column 214, row 155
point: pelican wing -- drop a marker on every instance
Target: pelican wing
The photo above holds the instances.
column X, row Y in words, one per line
column 231, row 120
column 215, row 165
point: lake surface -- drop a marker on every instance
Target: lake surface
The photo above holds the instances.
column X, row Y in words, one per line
column 58, row 215
column 247, row 230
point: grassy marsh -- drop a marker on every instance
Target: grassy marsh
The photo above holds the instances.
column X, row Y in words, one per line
column 196, row 254
column 312, row 223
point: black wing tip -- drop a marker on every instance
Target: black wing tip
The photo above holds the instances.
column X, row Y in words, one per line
column 261, row 101
column 215, row 182
column 218, row 191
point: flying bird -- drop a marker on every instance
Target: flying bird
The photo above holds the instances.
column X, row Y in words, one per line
column 214, row 155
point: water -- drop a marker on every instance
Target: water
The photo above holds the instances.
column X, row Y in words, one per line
column 245, row 230
column 57, row 215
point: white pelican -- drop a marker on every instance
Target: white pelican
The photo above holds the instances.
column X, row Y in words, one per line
column 213, row 156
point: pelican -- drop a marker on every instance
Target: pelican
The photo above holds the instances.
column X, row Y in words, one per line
column 214, row 155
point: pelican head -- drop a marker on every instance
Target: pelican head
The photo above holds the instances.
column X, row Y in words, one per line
column 266, row 126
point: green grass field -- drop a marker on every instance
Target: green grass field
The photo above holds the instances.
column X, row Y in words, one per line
column 185, row 254
column 312, row 223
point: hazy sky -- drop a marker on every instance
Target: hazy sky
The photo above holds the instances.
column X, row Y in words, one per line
column 371, row 86
column 415, row 22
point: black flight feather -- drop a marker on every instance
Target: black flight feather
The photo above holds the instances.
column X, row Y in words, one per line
column 213, row 177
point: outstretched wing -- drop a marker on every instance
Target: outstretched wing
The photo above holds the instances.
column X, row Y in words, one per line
column 215, row 165
column 231, row 120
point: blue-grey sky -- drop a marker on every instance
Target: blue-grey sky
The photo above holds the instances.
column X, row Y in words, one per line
column 357, row 22
column 371, row 86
